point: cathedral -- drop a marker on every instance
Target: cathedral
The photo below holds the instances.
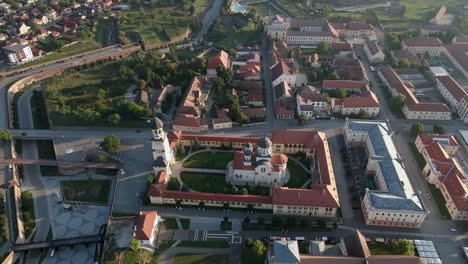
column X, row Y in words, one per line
column 162, row 152
column 258, row 166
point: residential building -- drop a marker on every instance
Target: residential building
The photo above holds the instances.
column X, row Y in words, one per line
column 444, row 171
column 320, row 200
column 258, row 166
column 189, row 116
column 353, row 29
column 458, row 55
column 309, row 101
column 413, row 109
column 454, row 94
column 222, row 59
column 255, row 97
column 430, row 46
column 282, row 72
column 354, row 87
column 146, row 224
column 350, row 69
column 405, row 54
column 283, row 252
column 18, row 53
column 253, row 113
column 395, row 202
column 373, row 52
column 221, row 120
column 342, row 49
column 141, row 97
column 23, row 29
column 366, row 101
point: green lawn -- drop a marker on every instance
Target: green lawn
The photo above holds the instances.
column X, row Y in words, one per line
column 27, row 207
column 439, row 200
column 248, row 257
column 170, row 223
column 103, row 26
column 200, row 6
column 298, row 176
column 210, row 160
column 245, row 36
column 265, row 9
column 3, row 222
column 293, row 9
column 88, row 191
column 88, row 97
column 139, row 256
column 77, row 48
column 383, row 249
column 215, row 183
column 204, row 244
column 226, row 225
column 201, row 259
column 417, row 156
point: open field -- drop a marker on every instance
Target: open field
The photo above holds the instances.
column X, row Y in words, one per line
column 87, row 191
column 232, row 31
column 293, row 9
column 264, row 9
column 201, row 259
column 77, row 48
column 298, row 176
column 89, row 97
column 139, row 256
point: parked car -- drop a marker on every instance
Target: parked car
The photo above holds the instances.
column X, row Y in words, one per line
column 372, row 68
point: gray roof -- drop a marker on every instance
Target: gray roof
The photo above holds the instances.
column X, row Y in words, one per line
column 160, row 162
column 158, row 123
column 398, row 194
column 286, row 251
column 317, row 247
column 264, row 142
column 262, row 162
column 14, row 48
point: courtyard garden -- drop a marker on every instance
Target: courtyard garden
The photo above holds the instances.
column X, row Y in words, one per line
column 298, row 176
column 201, row 259
column 139, row 256
column 212, row 160
column 86, row 191
column 216, row 183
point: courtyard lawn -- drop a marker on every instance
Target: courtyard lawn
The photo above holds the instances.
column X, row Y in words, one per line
column 417, row 156
column 216, row 183
column 439, row 200
column 3, row 222
column 201, row 259
column 209, row 160
column 170, row 223
column 139, row 256
column 298, row 176
column 77, row 48
column 86, row 191
column 27, row 207
column 383, row 249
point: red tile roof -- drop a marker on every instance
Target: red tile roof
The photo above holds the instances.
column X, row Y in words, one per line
column 222, row 139
column 254, row 96
column 453, row 87
column 360, row 102
column 320, row 197
column 222, row 117
column 373, row 47
column 249, row 199
column 429, row 138
column 144, row 223
column 423, row 42
column 459, row 52
column 221, row 59
column 279, row 69
column 352, row 26
column 342, row 46
column 254, row 112
column 342, row 84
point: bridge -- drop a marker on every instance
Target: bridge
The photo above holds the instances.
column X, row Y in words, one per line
column 58, row 243
column 64, row 163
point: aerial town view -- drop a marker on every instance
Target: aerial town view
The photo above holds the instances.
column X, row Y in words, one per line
column 233, row 131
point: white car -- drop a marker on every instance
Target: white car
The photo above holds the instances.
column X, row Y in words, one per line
column 453, row 229
column 372, row 68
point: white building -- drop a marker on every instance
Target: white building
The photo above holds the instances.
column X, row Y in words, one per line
column 258, row 167
column 395, row 202
column 162, row 152
column 309, row 101
column 17, row 53
column 430, row 46
column 373, row 52
column 281, row 72
column 455, row 95
column 146, row 224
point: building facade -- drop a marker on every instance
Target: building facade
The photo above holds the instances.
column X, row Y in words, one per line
column 430, row 46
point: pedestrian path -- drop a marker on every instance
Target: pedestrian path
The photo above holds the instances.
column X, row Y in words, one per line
column 205, row 224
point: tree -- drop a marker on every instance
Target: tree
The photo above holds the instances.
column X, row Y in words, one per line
column 403, row 247
column 141, row 84
column 258, row 248
column 134, row 244
column 114, row 119
column 302, row 119
column 417, row 129
column 246, row 219
column 312, row 75
column 218, row 85
column 338, row 93
column 261, row 220
column 248, row 242
column 110, row 144
column 322, row 48
column 150, row 178
column 399, row 100
column 125, row 73
column 439, row 129
column 196, row 144
column 404, row 63
column 5, row 135
column 363, row 114
column 102, row 159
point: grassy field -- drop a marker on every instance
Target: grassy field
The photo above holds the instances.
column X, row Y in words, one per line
column 440, row 201
column 294, row 10
column 88, row 191
column 96, row 90
column 200, row 6
column 27, row 207
column 298, row 176
column 103, row 26
column 201, row 259
column 382, row 249
column 204, row 244
column 139, row 256
column 77, row 48
column 265, row 9
column 211, row 160
column 3, row 222
column 154, row 24
column 417, row 13
column 232, row 31
column 216, row 183
column 245, row 36
column 170, row 223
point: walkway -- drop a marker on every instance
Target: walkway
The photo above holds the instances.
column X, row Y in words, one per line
column 168, row 255
column 204, row 170
column 63, row 163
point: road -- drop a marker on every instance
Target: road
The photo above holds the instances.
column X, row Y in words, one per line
column 267, row 81
column 208, row 19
